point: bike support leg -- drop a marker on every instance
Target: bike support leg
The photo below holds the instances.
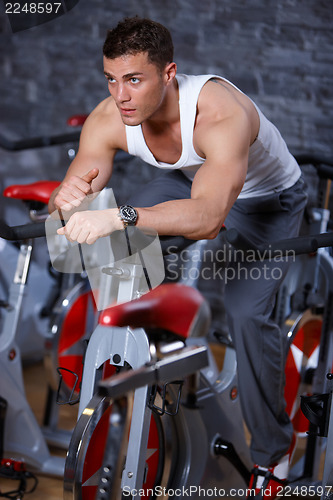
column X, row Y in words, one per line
column 120, row 345
column 137, row 448
column 116, row 345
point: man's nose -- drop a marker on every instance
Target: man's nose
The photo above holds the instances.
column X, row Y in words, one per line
column 122, row 93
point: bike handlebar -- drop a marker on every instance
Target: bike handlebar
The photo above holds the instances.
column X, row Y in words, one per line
column 137, row 239
column 24, row 232
column 325, row 171
column 38, row 142
column 298, row 245
column 324, row 166
column 46, row 141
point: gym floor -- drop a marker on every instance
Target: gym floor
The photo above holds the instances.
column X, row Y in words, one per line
column 36, row 388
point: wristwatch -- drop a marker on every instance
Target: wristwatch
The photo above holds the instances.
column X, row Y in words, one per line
column 128, row 215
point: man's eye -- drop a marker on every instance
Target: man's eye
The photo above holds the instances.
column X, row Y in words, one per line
column 110, row 80
column 135, row 80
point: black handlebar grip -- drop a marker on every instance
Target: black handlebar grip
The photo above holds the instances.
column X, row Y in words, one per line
column 17, row 233
column 38, row 142
column 308, row 159
column 237, row 240
column 303, row 244
column 324, row 239
column 325, row 171
column 6, row 232
column 299, row 245
column 324, row 166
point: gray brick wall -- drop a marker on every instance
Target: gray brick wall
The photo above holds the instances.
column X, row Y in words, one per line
column 278, row 51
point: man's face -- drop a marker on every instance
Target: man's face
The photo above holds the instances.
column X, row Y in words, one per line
column 136, row 85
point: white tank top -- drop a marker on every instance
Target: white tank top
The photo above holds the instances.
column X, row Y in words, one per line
column 271, row 167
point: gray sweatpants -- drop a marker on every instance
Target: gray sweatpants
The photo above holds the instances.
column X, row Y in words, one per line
column 249, row 300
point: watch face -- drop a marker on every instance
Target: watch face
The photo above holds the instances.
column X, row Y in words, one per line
column 128, row 214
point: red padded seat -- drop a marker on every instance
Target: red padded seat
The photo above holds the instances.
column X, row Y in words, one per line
column 173, row 307
column 36, row 191
column 76, row 120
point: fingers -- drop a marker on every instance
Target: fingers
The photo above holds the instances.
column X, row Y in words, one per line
column 91, row 175
column 69, row 197
column 80, row 236
column 79, row 229
column 88, row 226
column 74, row 190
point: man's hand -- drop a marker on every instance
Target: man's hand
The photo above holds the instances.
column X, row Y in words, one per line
column 73, row 191
column 88, row 226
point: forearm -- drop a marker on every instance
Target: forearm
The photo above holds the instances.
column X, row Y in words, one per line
column 193, row 219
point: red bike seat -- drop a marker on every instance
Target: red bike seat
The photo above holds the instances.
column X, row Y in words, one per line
column 36, row 191
column 76, row 120
column 179, row 309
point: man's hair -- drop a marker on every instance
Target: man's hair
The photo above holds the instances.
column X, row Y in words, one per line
column 134, row 35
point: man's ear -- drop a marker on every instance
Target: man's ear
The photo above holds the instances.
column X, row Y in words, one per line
column 170, row 72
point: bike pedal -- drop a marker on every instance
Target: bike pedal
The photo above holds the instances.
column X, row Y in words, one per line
column 316, row 408
column 8, row 464
column 226, row 449
column 71, row 400
column 16, row 470
column 161, row 410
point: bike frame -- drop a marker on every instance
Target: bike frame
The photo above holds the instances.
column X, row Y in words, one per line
column 19, row 416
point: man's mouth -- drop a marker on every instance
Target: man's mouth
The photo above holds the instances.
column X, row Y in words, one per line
column 127, row 111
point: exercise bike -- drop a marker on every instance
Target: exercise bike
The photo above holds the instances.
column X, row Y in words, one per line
column 75, row 473
column 303, row 310
column 209, row 375
column 31, row 447
column 191, row 315
column 190, row 424
column 97, row 349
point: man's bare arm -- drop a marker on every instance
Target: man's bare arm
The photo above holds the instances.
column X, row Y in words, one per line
column 101, row 136
column 215, row 187
column 224, row 139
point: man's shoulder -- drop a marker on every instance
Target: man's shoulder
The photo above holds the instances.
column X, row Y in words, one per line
column 105, row 123
column 224, row 108
column 105, row 110
column 219, row 89
column 220, row 99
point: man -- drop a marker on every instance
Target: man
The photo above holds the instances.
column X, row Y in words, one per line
column 229, row 165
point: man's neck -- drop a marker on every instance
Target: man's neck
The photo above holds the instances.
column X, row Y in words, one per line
column 167, row 114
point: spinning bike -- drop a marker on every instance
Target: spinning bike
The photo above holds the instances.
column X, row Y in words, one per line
column 194, row 426
column 176, row 426
column 185, row 420
column 100, row 347
column 87, row 391
column 24, row 316
column 65, row 317
column 75, row 473
column 71, row 321
column 304, row 309
column 31, row 447
column 134, row 348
